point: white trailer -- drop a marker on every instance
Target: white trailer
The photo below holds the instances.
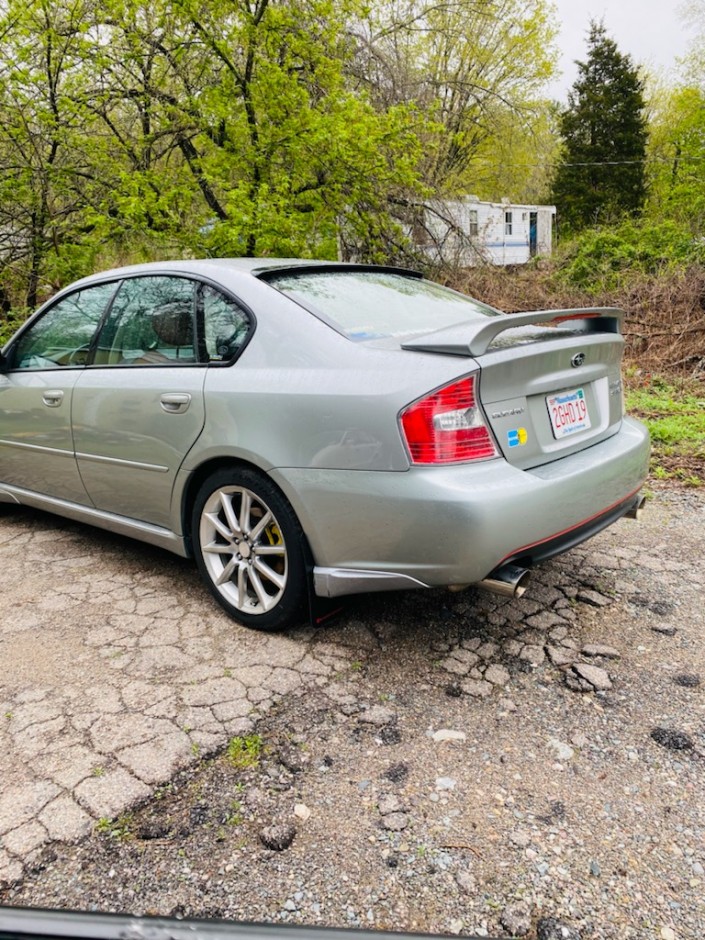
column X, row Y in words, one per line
column 469, row 231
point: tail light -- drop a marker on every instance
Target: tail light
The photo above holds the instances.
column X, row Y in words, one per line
column 447, row 426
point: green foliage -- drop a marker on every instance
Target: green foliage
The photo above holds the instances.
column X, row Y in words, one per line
column 604, row 259
column 10, row 322
column 601, row 175
column 474, row 71
column 676, row 157
column 234, row 817
column 133, row 130
column 120, row 828
column 244, row 752
column 675, row 416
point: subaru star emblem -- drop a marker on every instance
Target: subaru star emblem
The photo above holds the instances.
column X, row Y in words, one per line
column 577, row 360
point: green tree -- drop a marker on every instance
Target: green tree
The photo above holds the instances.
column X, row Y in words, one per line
column 676, row 158
column 475, row 68
column 43, row 175
column 601, row 175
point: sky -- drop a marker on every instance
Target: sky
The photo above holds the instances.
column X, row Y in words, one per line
column 651, row 31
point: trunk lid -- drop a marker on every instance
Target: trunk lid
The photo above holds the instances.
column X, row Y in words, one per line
column 547, row 391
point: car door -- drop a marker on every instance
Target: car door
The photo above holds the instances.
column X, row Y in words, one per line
column 44, row 364
column 138, row 407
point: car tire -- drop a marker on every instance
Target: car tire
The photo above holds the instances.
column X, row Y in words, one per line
column 249, row 548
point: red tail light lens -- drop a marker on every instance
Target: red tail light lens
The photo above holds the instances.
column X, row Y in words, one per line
column 447, row 426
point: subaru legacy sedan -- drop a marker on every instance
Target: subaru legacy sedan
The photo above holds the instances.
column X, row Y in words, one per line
column 309, row 430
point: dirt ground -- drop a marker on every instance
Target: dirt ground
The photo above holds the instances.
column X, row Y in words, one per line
column 468, row 765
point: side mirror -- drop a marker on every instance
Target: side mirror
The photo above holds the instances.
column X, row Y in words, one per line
column 4, row 364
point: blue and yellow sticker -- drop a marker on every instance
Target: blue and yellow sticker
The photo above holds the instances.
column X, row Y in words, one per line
column 517, row 437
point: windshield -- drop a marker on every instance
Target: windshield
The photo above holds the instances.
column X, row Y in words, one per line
column 377, row 304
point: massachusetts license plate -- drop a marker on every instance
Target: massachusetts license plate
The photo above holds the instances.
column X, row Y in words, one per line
column 568, row 412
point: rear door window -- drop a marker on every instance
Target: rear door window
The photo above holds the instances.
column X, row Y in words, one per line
column 151, row 323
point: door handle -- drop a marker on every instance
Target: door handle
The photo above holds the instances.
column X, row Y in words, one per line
column 175, row 403
column 52, row 398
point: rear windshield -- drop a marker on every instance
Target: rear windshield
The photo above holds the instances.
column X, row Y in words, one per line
column 372, row 304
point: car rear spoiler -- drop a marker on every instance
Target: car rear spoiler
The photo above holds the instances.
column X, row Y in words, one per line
column 475, row 338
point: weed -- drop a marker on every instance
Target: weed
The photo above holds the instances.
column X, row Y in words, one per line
column 120, row 828
column 244, row 752
column 98, row 772
column 195, row 748
column 234, row 817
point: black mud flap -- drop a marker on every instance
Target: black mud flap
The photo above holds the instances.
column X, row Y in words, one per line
column 321, row 610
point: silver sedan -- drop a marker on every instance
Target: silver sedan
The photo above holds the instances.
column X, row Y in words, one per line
column 308, row 429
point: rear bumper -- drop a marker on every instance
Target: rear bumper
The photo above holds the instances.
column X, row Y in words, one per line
column 454, row 525
column 529, row 555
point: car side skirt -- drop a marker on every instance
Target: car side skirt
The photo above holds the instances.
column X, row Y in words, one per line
column 120, row 525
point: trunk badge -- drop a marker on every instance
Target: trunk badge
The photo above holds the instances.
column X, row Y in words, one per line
column 577, row 360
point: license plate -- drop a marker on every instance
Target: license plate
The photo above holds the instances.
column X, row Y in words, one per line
column 568, row 412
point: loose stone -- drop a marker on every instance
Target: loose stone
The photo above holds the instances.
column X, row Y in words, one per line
column 516, row 919
column 389, row 804
column 378, row 715
column 278, row 837
column 466, row 882
column 687, row 680
column 549, row 928
column 597, row 677
column 673, row 740
column 395, row 822
column 520, row 838
column 664, row 629
column 599, row 649
column 563, row 752
column 593, row 598
column 397, row 772
column 447, row 734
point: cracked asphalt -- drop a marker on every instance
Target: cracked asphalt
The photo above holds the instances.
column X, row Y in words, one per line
column 117, row 671
column 552, row 747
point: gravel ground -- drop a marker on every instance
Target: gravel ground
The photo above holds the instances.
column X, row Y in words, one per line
column 484, row 767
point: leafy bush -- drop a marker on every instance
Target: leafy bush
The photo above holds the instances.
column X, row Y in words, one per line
column 9, row 322
column 604, row 259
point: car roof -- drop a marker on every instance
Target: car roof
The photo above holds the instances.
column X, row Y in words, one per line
column 208, row 267
column 205, row 266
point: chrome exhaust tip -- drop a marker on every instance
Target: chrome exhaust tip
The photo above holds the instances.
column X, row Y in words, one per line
column 637, row 510
column 507, row 580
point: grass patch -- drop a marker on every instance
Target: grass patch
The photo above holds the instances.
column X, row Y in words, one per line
column 674, row 412
column 244, row 752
